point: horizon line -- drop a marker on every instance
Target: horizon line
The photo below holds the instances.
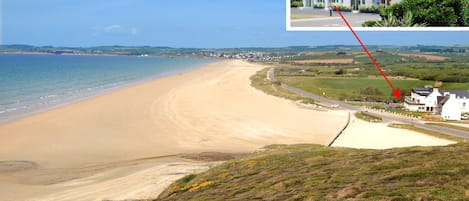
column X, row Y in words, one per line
column 265, row 47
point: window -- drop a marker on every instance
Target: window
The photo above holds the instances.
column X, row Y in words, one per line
column 464, row 104
column 363, row 2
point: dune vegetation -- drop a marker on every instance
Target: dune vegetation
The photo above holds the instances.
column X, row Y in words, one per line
column 314, row 172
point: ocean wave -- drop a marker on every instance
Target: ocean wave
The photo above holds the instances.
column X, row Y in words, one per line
column 48, row 96
column 8, row 110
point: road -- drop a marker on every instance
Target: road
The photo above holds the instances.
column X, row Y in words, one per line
column 321, row 18
column 386, row 118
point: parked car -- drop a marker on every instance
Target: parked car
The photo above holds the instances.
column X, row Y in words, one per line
column 465, row 117
column 334, row 105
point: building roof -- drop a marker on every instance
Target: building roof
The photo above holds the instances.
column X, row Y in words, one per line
column 425, row 91
column 441, row 100
column 458, row 93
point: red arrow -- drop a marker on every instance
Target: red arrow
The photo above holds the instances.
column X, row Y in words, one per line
column 395, row 92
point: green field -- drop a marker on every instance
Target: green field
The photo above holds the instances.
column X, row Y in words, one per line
column 384, row 58
column 453, row 69
column 349, row 88
column 343, row 88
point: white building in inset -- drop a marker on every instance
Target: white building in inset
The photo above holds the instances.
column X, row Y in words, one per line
column 447, row 103
column 350, row 3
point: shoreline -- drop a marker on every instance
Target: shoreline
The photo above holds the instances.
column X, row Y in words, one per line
column 212, row 108
column 99, row 92
column 201, row 102
column 171, row 56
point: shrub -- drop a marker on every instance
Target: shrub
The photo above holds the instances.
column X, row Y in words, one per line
column 308, row 101
column 369, row 23
column 391, row 20
column 296, row 3
column 344, row 8
column 341, row 72
column 431, row 12
column 371, row 91
column 186, row 179
column 319, row 5
column 370, row 9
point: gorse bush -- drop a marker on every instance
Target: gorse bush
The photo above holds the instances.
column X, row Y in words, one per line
column 424, row 13
column 432, row 12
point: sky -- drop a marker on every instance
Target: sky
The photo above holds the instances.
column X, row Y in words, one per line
column 186, row 23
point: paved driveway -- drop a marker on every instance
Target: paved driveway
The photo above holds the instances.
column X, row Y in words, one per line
column 322, row 19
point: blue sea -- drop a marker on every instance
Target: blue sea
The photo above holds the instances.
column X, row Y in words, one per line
column 33, row 83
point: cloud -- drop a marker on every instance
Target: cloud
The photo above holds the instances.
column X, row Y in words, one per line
column 133, row 31
column 112, row 28
column 115, row 29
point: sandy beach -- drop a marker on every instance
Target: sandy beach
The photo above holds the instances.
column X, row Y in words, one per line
column 212, row 108
column 363, row 135
column 128, row 144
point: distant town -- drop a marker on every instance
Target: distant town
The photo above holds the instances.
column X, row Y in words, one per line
column 251, row 54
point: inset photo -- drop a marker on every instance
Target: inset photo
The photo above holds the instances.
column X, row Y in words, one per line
column 378, row 14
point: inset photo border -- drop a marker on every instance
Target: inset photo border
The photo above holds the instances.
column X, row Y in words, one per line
column 377, row 15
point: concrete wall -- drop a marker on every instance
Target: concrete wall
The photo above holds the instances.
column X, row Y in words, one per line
column 413, row 107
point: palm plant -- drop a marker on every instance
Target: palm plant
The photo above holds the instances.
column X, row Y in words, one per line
column 392, row 21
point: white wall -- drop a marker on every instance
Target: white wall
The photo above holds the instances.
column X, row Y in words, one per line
column 464, row 104
column 412, row 107
column 431, row 100
column 417, row 98
column 451, row 109
column 368, row 2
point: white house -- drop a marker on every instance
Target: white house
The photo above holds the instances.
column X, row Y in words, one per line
column 350, row 3
column 447, row 103
column 449, row 107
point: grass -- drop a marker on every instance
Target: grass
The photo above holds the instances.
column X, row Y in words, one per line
column 428, row 132
column 383, row 58
column 400, row 111
column 259, row 81
column 322, row 79
column 340, row 88
column 368, row 118
column 308, row 101
column 315, row 172
column 407, row 112
column 450, row 126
